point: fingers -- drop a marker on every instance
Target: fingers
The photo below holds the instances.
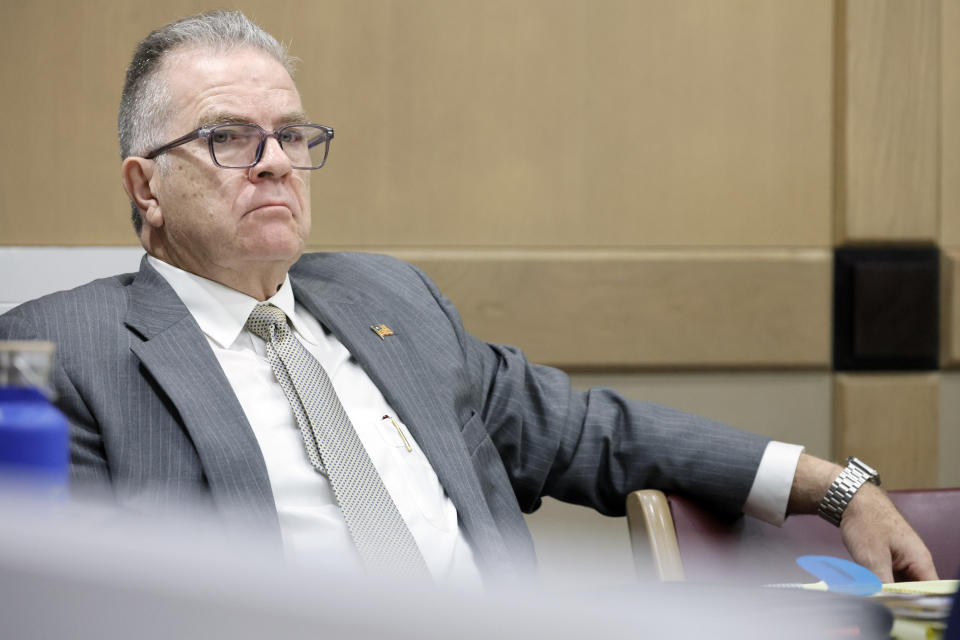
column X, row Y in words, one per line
column 918, row 566
column 881, row 566
column 879, row 538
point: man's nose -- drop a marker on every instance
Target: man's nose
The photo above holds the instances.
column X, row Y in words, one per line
column 274, row 163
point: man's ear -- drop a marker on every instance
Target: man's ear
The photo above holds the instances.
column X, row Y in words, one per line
column 136, row 174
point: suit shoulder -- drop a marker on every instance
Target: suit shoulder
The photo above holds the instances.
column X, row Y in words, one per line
column 327, row 260
column 107, row 292
column 352, row 266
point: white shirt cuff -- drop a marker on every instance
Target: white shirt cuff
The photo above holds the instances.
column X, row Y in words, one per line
column 770, row 492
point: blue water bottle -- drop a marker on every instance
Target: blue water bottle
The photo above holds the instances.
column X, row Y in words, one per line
column 34, row 435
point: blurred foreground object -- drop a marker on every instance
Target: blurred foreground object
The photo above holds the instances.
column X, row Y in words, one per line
column 90, row 571
column 34, row 435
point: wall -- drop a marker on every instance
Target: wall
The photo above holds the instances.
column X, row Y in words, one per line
column 646, row 193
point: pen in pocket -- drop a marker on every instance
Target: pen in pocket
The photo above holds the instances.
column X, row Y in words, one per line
column 399, row 431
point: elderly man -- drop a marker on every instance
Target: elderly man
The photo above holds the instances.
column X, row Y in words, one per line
column 336, row 398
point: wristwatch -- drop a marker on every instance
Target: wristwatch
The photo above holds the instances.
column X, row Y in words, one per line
column 842, row 490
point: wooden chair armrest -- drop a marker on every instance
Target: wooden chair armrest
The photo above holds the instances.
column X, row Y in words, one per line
column 653, row 537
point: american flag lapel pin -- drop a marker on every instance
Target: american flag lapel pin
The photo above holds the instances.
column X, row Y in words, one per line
column 382, row 330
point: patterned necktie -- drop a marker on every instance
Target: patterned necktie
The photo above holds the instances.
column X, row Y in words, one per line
column 380, row 534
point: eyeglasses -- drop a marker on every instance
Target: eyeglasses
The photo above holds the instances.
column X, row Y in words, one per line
column 240, row 146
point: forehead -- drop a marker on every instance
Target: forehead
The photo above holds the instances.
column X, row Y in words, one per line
column 245, row 82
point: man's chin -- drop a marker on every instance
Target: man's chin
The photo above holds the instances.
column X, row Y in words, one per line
column 276, row 257
column 278, row 253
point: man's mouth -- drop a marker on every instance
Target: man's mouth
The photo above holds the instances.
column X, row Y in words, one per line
column 266, row 206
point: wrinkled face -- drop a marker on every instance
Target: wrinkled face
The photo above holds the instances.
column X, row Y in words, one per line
column 217, row 219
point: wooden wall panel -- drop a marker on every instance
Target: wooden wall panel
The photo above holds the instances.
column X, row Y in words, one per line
column 540, row 123
column 790, row 406
column 950, row 308
column 949, row 429
column 950, row 123
column 892, row 421
column 580, row 309
column 888, row 114
column 646, row 309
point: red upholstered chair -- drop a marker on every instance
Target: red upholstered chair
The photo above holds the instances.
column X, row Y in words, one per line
column 675, row 539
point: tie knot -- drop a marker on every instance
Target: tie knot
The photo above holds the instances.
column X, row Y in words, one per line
column 263, row 318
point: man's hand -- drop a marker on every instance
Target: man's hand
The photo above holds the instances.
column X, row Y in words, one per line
column 874, row 532
column 879, row 538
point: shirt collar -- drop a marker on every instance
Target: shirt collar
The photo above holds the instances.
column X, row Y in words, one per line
column 221, row 311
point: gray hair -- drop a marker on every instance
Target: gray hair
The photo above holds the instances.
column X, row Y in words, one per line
column 144, row 101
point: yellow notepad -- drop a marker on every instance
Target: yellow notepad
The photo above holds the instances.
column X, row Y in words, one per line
column 924, row 587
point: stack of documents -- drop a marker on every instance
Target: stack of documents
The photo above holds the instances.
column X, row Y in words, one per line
column 920, row 609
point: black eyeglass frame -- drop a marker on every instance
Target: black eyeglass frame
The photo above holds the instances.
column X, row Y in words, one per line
column 207, row 134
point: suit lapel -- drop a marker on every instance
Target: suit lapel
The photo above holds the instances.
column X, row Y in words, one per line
column 401, row 374
column 179, row 358
column 181, row 361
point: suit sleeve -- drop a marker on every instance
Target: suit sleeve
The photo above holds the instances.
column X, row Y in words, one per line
column 594, row 447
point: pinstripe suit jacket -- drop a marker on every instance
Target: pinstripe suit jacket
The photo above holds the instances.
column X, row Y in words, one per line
column 154, row 417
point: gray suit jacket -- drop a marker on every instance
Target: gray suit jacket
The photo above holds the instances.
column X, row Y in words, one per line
column 154, row 417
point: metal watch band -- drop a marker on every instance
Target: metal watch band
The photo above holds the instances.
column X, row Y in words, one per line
column 844, row 487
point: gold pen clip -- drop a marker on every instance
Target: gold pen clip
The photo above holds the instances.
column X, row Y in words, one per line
column 400, row 431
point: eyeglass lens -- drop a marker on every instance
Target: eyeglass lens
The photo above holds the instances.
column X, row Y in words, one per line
column 235, row 145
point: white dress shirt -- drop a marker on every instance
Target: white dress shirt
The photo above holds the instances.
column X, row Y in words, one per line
column 311, row 523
